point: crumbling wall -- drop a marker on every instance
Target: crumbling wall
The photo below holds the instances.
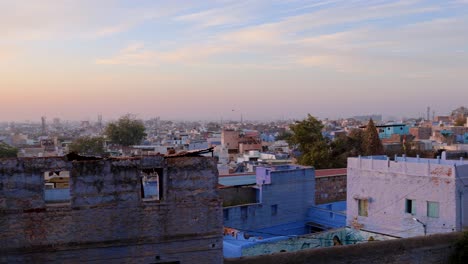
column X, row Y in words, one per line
column 106, row 219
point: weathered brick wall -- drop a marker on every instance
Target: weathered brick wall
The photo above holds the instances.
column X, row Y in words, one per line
column 430, row 249
column 330, row 189
column 106, row 219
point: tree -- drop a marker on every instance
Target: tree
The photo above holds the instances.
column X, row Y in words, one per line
column 308, row 139
column 126, row 131
column 93, row 146
column 355, row 142
column 7, row 151
column 371, row 141
column 460, row 121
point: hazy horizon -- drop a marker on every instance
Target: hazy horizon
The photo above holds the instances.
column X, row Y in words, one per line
column 208, row 60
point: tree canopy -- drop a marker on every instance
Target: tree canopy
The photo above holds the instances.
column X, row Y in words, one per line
column 7, row 151
column 308, row 139
column 318, row 151
column 371, row 141
column 93, row 146
column 126, row 131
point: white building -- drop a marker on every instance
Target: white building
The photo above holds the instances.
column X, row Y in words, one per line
column 407, row 197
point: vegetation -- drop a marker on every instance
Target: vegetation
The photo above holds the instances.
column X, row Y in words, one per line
column 308, row 139
column 318, row 151
column 126, row 131
column 459, row 115
column 346, row 146
column 460, row 121
column 7, row 151
column 371, row 143
column 92, row 146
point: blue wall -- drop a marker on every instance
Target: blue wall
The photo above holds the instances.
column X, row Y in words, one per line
column 331, row 215
column 57, row 195
column 388, row 131
column 286, row 200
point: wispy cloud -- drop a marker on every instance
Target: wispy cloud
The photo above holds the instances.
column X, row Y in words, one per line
column 50, row 19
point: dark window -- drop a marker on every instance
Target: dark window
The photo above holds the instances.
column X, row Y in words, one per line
column 410, row 207
column 244, row 212
column 226, row 214
column 274, row 209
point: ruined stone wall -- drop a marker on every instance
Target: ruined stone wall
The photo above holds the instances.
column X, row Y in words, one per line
column 106, row 219
column 430, row 249
column 329, row 189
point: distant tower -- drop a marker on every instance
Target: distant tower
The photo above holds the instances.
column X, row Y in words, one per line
column 43, row 120
column 99, row 122
column 428, row 113
column 433, row 115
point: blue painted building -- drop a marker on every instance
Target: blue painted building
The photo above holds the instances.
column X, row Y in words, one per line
column 465, row 140
column 284, row 195
column 386, row 131
column 284, row 207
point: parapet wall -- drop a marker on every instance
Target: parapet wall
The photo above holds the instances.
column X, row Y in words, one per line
column 429, row 249
column 423, row 167
column 107, row 215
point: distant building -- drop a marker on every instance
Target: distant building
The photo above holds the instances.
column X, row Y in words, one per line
column 366, row 118
column 421, row 133
column 230, row 140
column 442, row 119
column 249, row 143
column 408, row 196
column 387, row 131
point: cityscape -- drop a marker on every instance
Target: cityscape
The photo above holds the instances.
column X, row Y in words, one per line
column 233, row 132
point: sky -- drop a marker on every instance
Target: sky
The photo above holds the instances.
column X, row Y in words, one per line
column 212, row 60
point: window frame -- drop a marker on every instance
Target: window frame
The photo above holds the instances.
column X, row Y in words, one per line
column 363, row 207
column 410, row 208
column 430, row 213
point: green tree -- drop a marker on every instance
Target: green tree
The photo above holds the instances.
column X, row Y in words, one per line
column 340, row 151
column 7, row 151
column 355, row 142
column 308, row 139
column 93, row 146
column 126, row 131
column 371, row 141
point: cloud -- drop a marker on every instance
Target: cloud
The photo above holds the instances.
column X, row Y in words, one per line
column 408, row 49
column 49, row 19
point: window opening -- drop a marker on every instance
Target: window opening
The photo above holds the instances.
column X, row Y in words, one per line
column 410, row 207
column 57, row 186
column 151, row 184
column 363, row 207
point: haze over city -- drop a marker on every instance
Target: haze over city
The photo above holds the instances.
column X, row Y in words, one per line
column 220, row 59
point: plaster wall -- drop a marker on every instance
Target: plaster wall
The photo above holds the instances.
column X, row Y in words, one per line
column 387, row 184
